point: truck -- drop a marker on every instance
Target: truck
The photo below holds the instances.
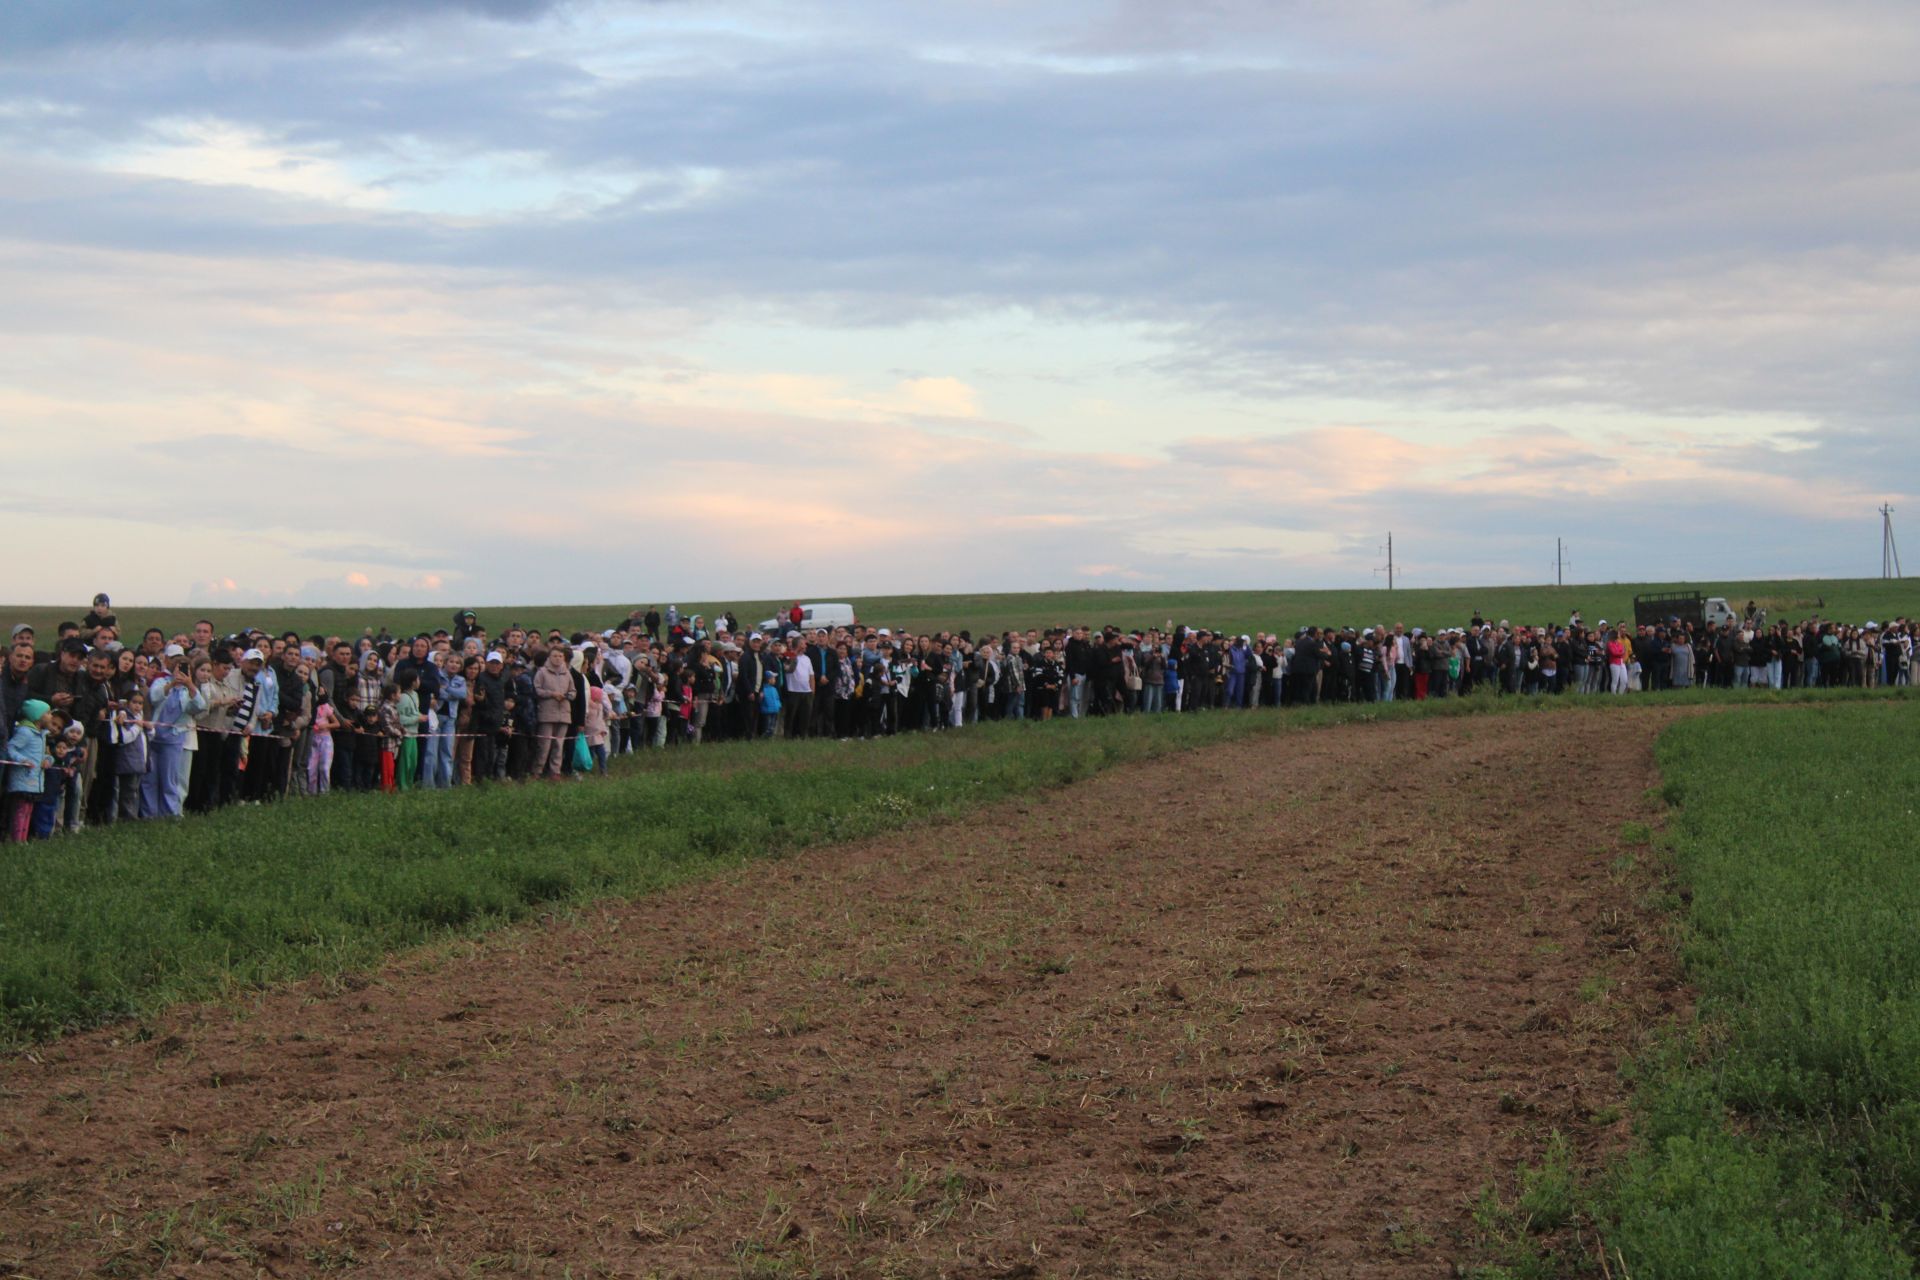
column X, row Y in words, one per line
column 1693, row 608
column 813, row 616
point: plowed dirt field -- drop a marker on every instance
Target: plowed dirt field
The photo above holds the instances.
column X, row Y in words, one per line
column 1273, row 1008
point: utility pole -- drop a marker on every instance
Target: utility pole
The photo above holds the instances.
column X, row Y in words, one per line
column 1889, row 552
column 1389, row 569
column 1559, row 563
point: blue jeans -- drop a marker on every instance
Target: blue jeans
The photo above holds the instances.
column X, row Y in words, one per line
column 436, row 759
column 1017, row 705
column 1076, row 696
column 162, row 786
column 1153, row 698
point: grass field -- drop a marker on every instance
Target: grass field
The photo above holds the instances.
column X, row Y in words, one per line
column 129, row 918
column 993, row 983
column 1856, row 600
column 1780, row 1135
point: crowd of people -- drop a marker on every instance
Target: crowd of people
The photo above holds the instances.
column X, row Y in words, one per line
column 106, row 725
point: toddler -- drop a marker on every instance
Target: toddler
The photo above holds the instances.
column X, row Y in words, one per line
column 129, row 735
column 26, row 763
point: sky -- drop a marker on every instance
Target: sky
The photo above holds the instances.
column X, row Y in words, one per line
column 529, row 301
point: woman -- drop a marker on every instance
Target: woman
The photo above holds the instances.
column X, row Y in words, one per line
column 553, row 693
column 846, row 683
column 469, row 670
column 175, row 698
column 1680, row 662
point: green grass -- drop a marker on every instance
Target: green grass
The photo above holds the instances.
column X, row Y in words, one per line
column 1855, row 599
column 1779, row 1135
column 124, row 920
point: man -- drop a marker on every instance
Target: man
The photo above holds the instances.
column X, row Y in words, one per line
column 750, row 674
column 1013, row 679
column 1079, row 668
column 826, row 671
column 13, row 684
column 213, row 725
column 1308, row 653
column 1238, row 656
column 489, row 700
column 419, row 661
column 241, row 728
column 796, row 704
column 268, row 756
column 57, row 683
column 1402, row 662
column 93, row 707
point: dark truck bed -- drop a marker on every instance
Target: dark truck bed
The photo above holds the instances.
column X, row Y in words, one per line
column 1656, row 607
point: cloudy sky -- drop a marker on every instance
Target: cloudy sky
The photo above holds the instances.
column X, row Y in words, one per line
column 500, row 301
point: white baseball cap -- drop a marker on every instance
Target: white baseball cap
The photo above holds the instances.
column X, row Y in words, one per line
column 253, row 655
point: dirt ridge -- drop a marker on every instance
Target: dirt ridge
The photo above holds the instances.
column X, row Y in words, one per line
column 1278, row 1006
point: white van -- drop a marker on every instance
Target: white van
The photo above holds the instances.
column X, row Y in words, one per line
column 812, row 616
column 1718, row 612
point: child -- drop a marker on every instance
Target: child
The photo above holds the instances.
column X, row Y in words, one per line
column 26, row 762
column 320, row 749
column 769, row 704
column 393, row 735
column 655, row 710
column 67, row 746
column 71, row 790
column 406, row 710
column 367, row 742
column 129, row 735
column 596, row 725
column 683, row 703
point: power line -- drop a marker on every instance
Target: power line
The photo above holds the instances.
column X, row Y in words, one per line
column 1889, row 551
column 1388, row 569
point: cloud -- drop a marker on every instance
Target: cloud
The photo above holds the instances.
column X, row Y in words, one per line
column 958, row 297
column 28, row 26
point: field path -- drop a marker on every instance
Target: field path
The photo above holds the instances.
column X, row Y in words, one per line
column 1272, row 1008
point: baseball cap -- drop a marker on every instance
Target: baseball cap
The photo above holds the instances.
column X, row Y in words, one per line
column 173, row 651
column 496, row 656
column 253, row 655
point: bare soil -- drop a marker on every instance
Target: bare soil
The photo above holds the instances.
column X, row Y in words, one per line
column 1273, row 1008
